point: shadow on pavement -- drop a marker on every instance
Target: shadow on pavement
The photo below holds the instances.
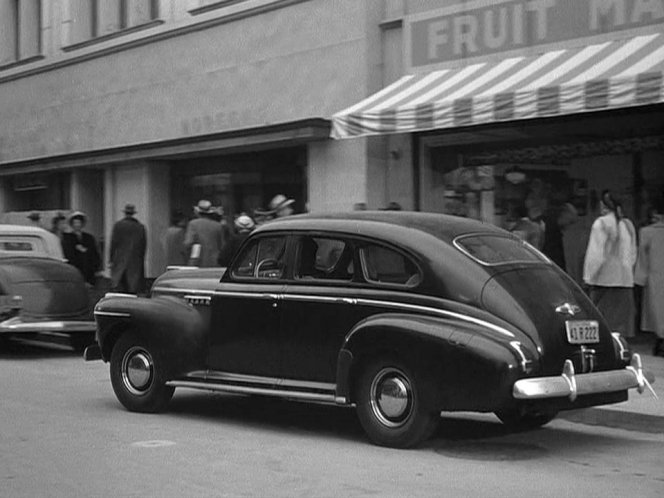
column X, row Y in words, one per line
column 17, row 349
column 268, row 414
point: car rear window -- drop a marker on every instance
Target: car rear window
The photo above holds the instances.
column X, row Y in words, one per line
column 498, row 250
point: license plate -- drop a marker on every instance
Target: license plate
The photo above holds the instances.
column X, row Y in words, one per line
column 582, row 331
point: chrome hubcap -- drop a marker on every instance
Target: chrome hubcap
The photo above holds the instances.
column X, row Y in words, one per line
column 391, row 397
column 137, row 370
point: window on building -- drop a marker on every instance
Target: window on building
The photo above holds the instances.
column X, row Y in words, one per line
column 20, row 30
column 95, row 18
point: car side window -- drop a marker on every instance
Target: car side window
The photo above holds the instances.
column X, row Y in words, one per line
column 265, row 259
column 322, row 258
column 386, row 266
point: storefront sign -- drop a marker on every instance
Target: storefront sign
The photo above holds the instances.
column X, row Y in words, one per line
column 483, row 27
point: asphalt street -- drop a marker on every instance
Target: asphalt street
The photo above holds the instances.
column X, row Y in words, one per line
column 63, row 434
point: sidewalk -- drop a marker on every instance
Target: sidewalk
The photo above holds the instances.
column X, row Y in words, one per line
column 642, row 412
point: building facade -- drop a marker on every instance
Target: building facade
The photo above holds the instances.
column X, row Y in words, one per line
column 162, row 102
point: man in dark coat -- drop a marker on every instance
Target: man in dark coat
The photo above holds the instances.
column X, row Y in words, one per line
column 128, row 243
column 80, row 248
column 204, row 237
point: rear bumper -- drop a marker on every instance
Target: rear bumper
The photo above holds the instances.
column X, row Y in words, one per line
column 18, row 325
column 570, row 385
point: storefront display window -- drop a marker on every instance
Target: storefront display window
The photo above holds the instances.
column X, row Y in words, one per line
column 240, row 182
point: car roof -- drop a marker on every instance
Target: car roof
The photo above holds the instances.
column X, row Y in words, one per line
column 52, row 246
column 383, row 224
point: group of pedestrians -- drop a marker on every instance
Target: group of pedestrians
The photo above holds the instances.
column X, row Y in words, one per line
column 127, row 249
column 613, row 265
column 207, row 241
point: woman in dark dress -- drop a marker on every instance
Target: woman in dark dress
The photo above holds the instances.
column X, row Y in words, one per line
column 80, row 248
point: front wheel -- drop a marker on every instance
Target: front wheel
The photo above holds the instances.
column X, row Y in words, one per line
column 138, row 375
column 394, row 404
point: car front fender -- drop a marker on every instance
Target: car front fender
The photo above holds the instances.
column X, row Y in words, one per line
column 170, row 323
column 471, row 369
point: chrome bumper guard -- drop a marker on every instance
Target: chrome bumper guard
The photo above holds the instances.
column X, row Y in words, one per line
column 571, row 385
column 17, row 325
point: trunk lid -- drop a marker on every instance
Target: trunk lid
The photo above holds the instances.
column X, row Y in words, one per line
column 540, row 299
column 48, row 288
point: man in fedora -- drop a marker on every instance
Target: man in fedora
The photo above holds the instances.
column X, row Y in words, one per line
column 281, row 206
column 128, row 244
column 204, row 237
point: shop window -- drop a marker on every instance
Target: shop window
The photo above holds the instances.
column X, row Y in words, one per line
column 386, row 266
column 96, row 18
column 324, row 259
column 20, row 30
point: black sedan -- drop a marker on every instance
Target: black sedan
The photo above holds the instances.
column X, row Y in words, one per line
column 401, row 315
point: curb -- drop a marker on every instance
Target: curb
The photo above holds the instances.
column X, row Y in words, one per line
column 631, row 421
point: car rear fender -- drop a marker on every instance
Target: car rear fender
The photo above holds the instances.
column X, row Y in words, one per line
column 170, row 323
column 470, row 368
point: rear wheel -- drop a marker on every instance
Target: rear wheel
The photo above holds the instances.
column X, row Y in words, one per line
column 138, row 375
column 521, row 419
column 395, row 404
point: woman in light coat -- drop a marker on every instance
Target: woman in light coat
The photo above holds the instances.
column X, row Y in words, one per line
column 609, row 266
column 650, row 274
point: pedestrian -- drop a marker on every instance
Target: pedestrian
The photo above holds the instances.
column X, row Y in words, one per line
column 204, row 237
column 281, row 206
column 80, row 248
column 525, row 228
column 35, row 219
column 243, row 227
column 392, row 206
column 555, row 223
column 649, row 274
column 608, row 268
column 127, row 254
column 176, row 254
column 58, row 225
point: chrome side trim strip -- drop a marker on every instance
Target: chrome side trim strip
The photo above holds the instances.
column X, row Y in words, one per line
column 393, row 304
column 177, row 291
column 112, row 313
column 16, row 324
column 233, row 377
column 254, row 295
column 322, row 398
column 436, row 311
column 217, row 376
column 312, row 298
column 361, row 301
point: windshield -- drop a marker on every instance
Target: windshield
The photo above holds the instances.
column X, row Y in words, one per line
column 494, row 250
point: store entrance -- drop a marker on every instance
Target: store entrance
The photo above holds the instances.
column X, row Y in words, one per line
column 240, row 182
column 504, row 173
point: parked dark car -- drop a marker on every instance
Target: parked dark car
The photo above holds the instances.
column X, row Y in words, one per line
column 401, row 314
column 41, row 296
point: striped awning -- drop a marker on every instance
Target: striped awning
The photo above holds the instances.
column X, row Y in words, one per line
column 609, row 75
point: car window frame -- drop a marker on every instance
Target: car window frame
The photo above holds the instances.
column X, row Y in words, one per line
column 288, row 249
column 297, row 237
column 402, row 252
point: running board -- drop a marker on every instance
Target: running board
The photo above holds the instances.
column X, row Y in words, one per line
column 304, row 396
